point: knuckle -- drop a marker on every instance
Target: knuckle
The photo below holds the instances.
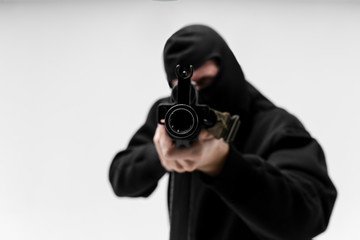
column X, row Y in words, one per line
column 180, row 170
column 192, row 167
column 178, row 167
column 165, row 165
column 189, row 166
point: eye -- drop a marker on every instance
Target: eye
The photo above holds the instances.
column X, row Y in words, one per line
column 204, row 81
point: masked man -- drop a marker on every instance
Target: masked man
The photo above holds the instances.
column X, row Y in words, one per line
column 271, row 182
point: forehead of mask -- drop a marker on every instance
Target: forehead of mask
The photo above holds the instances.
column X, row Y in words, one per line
column 192, row 45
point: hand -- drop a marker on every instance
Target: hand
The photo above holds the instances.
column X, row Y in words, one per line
column 207, row 154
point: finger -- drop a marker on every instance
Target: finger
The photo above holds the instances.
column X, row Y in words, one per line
column 165, row 142
column 166, row 150
column 192, row 153
column 157, row 138
column 161, row 157
column 188, row 165
column 205, row 135
column 166, row 165
column 178, row 167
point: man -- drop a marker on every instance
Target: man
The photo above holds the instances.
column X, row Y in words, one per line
column 271, row 182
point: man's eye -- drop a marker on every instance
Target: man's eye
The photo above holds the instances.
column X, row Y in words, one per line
column 204, row 81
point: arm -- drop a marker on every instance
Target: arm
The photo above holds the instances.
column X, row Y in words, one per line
column 136, row 170
column 283, row 194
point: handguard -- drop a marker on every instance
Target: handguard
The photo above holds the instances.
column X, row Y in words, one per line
column 226, row 126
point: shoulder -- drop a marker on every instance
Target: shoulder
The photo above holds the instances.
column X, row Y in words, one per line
column 275, row 119
column 273, row 127
column 266, row 117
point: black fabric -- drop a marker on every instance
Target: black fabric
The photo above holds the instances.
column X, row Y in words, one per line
column 274, row 184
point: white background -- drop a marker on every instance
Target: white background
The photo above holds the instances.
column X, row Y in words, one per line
column 77, row 80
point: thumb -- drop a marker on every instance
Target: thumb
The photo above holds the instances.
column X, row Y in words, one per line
column 205, row 135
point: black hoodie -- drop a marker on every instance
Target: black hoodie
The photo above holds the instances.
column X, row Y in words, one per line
column 274, row 183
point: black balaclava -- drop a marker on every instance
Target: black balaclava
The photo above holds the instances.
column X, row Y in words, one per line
column 196, row 44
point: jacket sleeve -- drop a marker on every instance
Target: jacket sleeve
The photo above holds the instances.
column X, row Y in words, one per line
column 136, row 170
column 283, row 194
